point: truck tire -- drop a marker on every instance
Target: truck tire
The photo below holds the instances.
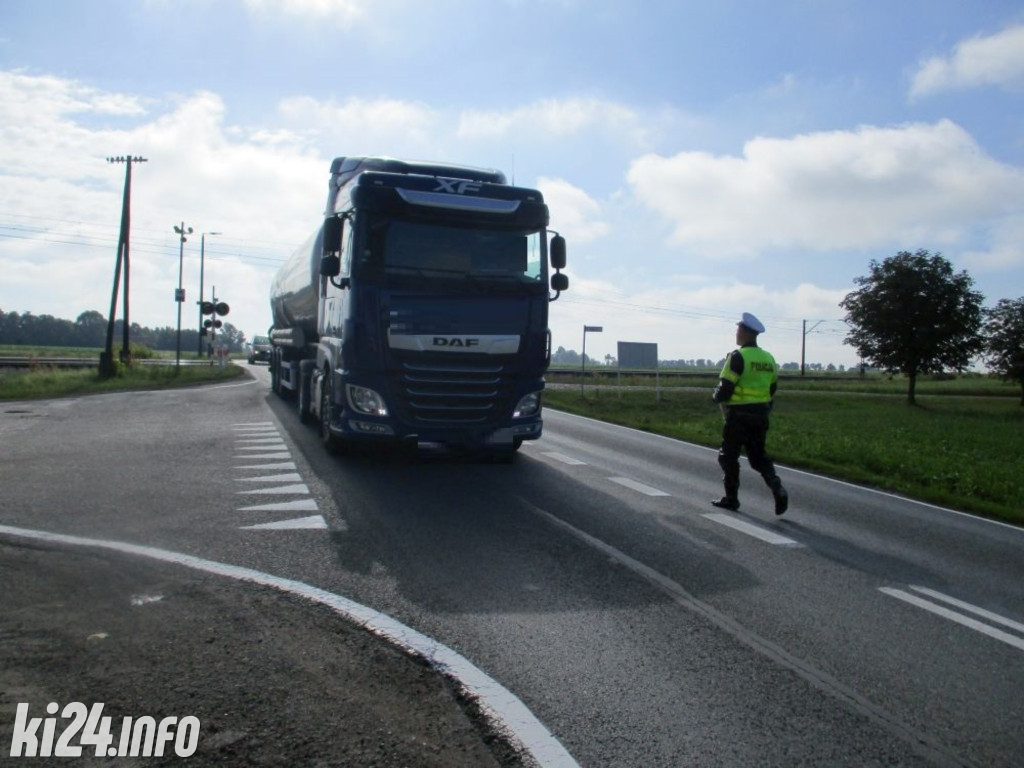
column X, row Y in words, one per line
column 303, row 395
column 332, row 443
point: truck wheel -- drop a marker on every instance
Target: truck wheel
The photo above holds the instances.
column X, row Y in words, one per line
column 331, row 443
column 303, row 398
column 275, row 375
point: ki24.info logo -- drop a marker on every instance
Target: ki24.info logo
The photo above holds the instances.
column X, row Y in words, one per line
column 81, row 726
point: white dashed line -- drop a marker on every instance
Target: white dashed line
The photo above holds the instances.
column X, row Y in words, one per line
column 313, row 522
column 287, row 490
column 752, row 530
column 256, row 438
column 288, row 477
column 279, row 465
column 566, row 459
column 638, row 487
column 303, row 505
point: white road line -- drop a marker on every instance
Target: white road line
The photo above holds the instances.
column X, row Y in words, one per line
column 274, row 446
column 639, row 487
column 565, row 459
column 751, row 530
column 288, row 477
column 278, row 465
column 498, row 704
column 313, row 522
column 251, row 456
column 303, row 505
column 280, row 489
column 959, row 618
column 994, row 617
column 258, row 440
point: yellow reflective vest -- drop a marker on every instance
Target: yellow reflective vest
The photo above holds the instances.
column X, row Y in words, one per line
column 754, row 374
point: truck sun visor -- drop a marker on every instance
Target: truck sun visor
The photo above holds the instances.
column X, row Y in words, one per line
column 458, row 202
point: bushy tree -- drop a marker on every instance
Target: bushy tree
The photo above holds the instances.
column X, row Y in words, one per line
column 1004, row 342
column 913, row 315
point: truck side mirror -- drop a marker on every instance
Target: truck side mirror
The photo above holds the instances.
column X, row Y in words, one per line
column 332, row 236
column 559, row 282
column 330, row 265
column 558, row 252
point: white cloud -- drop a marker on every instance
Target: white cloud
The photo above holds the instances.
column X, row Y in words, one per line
column 552, row 118
column 342, row 12
column 980, row 61
column 61, row 201
column 573, row 212
column 368, row 126
column 689, row 322
column 829, row 191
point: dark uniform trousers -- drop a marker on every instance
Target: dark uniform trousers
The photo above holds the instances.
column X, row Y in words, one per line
column 746, row 428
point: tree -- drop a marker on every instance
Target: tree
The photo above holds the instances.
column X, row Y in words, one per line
column 912, row 315
column 90, row 329
column 1004, row 344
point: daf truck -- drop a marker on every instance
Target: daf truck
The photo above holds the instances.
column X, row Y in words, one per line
column 417, row 312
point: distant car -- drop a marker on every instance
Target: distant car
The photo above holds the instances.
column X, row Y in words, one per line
column 259, row 349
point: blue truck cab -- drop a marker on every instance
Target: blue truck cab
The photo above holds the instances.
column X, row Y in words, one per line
column 418, row 310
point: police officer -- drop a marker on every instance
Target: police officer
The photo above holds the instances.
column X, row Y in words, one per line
column 745, row 390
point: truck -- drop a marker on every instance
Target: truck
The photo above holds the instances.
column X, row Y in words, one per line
column 417, row 311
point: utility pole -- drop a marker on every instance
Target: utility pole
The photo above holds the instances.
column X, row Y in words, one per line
column 107, row 356
column 202, row 267
column 583, row 367
column 179, row 294
column 803, row 346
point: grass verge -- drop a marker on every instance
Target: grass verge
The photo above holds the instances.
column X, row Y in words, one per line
column 963, row 453
column 44, row 382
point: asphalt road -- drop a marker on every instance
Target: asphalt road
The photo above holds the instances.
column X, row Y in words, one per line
column 591, row 577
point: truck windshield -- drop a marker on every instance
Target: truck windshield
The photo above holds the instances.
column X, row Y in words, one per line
column 493, row 259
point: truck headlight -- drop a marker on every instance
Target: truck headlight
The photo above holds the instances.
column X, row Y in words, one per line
column 527, row 406
column 366, row 401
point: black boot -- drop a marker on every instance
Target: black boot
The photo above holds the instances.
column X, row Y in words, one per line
column 727, row 502
column 781, row 497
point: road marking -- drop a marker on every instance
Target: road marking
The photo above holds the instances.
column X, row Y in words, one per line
column 959, row 618
column 566, row 459
column 849, row 697
column 276, row 445
column 313, row 522
column 251, row 456
column 301, row 488
column 279, row 465
column 639, row 487
column 289, row 477
column 995, row 617
column 497, row 703
column 303, row 505
column 258, row 440
column 751, row 530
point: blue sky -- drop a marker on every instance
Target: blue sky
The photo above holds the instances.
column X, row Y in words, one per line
column 702, row 158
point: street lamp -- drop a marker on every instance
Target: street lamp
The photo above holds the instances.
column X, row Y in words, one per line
column 179, row 294
column 202, row 266
column 583, row 370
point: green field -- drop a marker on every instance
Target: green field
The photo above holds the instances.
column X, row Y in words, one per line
column 964, row 450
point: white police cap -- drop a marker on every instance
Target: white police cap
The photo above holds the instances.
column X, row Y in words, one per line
column 751, row 322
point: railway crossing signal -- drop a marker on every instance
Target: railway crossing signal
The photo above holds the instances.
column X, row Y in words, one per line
column 216, row 310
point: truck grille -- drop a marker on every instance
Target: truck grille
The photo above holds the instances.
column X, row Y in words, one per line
column 452, row 392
